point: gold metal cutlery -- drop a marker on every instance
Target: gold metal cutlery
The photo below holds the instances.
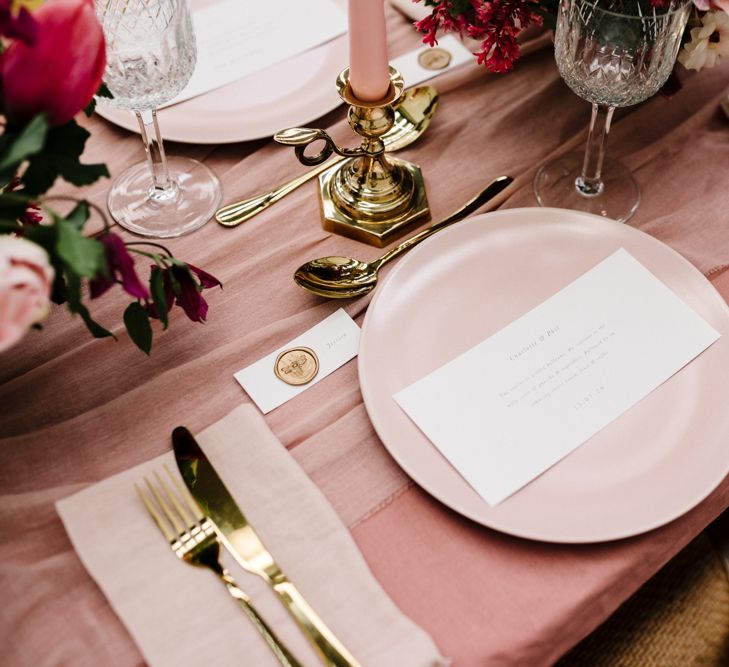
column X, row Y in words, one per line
column 412, row 117
column 192, row 537
column 241, row 540
column 337, row 277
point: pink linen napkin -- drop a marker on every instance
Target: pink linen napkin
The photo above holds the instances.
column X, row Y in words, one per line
column 180, row 615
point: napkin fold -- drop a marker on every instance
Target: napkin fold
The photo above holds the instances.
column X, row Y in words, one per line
column 180, row 615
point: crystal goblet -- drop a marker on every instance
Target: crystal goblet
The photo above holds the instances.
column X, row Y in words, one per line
column 151, row 55
column 613, row 53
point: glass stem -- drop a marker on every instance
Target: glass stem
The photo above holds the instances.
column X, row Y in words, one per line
column 590, row 182
column 163, row 187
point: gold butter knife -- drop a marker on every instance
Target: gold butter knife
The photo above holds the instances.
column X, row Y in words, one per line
column 241, row 540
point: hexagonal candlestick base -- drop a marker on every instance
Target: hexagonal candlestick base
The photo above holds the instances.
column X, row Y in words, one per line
column 379, row 228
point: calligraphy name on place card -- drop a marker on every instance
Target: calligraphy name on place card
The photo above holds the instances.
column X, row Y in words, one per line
column 283, row 374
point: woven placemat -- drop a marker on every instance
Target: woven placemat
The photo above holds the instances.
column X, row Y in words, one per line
column 680, row 618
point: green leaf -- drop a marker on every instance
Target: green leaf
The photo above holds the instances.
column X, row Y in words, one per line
column 80, row 174
column 72, row 290
column 6, row 176
column 79, row 215
column 84, row 256
column 68, row 139
column 104, row 91
column 458, row 7
column 97, row 331
column 13, row 204
column 157, row 289
column 9, row 225
column 39, row 176
column 90, row 108
column 61, row 157
column 46, row 236
column 73, row 294
column 175, row 284
column 27, row 142
column 136, row 321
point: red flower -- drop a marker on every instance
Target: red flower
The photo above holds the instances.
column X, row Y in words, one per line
column 33, row 215
column 206, row 280
column 59, row 73
column 495, row 23
column 180, row 287
column 189, row 296
column 120, row 269
column 22, row 26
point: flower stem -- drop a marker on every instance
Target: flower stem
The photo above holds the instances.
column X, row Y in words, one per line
column 90, row 204
column 129, row 245
column 590, row 183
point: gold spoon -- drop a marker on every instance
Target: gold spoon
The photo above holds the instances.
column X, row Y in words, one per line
column 343, row 277
column 412, row 117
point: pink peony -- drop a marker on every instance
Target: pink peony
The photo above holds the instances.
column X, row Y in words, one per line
column 61, row 70
column 26, row 278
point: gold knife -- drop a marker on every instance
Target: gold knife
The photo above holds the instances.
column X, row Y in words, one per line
column 241, row 540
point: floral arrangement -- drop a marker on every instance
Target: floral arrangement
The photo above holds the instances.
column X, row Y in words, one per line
column 497, row 23
column 707, row 38
column 494, row 23
column 51, row 65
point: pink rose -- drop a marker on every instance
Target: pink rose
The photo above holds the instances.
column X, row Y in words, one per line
column 61, row 70
column 26, row 278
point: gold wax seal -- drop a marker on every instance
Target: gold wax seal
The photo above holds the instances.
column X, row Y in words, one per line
column 434, row 58
column 297, row 365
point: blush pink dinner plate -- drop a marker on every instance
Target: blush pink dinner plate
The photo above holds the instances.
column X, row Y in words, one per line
column 289, row 93
column 651, row 465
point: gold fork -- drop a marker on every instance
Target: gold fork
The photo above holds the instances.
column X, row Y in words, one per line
column 192, row 537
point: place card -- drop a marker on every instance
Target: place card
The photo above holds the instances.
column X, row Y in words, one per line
column 414, row 11
column 514, row 405
column 333, row 342
column 236, row 38
column 426, row 62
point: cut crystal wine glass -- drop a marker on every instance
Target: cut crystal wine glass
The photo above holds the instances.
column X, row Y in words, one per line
column 613, row 53
column 151, row 54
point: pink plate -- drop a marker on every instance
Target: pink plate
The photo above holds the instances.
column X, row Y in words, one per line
column 290, row 93
column 651, row 465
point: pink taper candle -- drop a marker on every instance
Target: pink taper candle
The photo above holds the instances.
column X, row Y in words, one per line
column 368, row 64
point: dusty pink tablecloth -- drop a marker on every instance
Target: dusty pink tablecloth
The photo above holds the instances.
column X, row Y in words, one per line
column 75, row 410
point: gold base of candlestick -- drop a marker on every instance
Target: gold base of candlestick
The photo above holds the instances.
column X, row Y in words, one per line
column 373, row 208
column 369, row 196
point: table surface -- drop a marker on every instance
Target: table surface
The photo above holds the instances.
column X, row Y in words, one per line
column 76, row 410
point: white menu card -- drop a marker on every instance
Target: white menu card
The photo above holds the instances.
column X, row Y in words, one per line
column 514, row 405
column 237, row 38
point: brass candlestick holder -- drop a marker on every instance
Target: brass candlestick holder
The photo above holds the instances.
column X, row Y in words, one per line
column 370, row 196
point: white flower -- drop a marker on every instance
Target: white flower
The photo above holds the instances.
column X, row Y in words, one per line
column 709, row 42
column 26, row 277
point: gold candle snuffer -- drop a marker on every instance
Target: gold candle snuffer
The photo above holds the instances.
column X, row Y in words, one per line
column 370, row 196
